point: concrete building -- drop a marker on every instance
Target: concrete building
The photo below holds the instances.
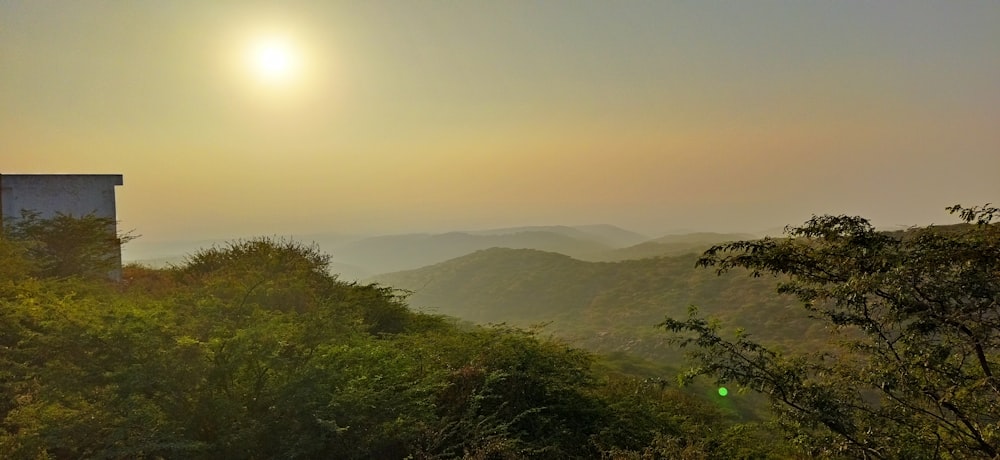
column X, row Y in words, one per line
column 70, row 194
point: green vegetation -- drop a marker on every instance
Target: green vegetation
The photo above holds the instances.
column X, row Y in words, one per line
column 64, row 245
column 253, row 350
column 914, row 321
column 609, row 308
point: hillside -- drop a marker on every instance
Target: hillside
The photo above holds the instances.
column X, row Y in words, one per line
column 670, row 245
column 253, row 350
column 391, row 253
column 604, row 306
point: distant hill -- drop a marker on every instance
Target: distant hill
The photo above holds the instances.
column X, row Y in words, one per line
column 671, row 245
column 609, row 235
column 604, row 306
column 391, row 253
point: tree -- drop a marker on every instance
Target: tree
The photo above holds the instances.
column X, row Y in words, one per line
column 915, row 336
column 65, row 245
column 270, row 272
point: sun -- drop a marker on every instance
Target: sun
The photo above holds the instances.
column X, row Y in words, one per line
column 274, row 60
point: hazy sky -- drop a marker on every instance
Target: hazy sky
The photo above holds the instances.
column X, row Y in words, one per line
column 425, row 116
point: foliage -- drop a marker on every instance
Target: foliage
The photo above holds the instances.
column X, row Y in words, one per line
column 914, row 344
column 253, row 350
column 65, row 245
column 263, row 271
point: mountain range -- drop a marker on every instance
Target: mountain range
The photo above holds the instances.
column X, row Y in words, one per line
column 367, row 257
column 356, row 257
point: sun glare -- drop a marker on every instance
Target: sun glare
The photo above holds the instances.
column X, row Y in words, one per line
column 274, row 60
column 275, row 64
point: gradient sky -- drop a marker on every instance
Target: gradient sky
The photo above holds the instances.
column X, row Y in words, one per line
column 428, row 116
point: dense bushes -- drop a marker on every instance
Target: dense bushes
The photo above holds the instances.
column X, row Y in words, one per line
column 253, row 350
column 64, row 245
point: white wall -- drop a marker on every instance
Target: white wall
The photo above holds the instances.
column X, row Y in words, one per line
column 48, row 194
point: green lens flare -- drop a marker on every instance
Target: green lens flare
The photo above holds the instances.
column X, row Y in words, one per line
column 723, row 391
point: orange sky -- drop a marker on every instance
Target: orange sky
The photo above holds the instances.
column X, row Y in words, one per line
column 427, row 116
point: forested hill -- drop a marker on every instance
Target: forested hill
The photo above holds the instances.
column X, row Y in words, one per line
column 604, row 306
column 671, row 245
